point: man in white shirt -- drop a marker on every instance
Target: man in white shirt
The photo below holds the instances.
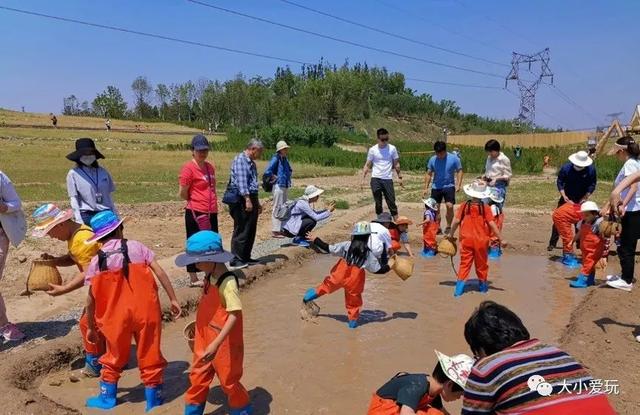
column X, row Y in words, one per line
column 497, row 170
column 381, row 160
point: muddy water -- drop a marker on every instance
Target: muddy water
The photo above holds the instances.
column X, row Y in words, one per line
column 322, row 367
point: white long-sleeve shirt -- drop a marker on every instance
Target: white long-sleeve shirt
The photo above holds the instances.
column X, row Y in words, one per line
column 14, row 226
column 498, row 167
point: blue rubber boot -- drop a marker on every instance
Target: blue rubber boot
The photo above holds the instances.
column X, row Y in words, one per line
column 310, row 295
column 353, row 324
column 91, row 366
column 591, row 279
column 107, row 397
column 300, row 242
column 495, row 252
column 154, row 397
column 193, row 409
column 247, row 410
column 579, row 282
column 570, row 260
column 428, row 253
column 459, row 288
column 483, row 287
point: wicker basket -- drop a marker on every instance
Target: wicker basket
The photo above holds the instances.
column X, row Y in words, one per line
column 610, row 228
column 189, row 332
column 448, row 247
column 43, row 272
column 403, row 267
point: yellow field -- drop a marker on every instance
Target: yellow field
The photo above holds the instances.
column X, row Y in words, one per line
column 525, row 140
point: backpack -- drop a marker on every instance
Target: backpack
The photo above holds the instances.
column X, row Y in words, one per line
column 267, row 185
column 283, row 213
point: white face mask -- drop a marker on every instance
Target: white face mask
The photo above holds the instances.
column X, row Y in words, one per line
column 88, row 160
column 578, row 168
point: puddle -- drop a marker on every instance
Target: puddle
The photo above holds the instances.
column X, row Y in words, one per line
column 322, row 367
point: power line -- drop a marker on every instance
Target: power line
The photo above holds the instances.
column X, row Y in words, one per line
column 394, row 35
column 573, row 103
column 340, row 40
column 154, row 35
column 454, row 84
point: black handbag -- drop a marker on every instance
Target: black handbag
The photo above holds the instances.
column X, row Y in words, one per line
column 231, row 196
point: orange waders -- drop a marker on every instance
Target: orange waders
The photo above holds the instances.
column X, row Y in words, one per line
column 349, row 277
column 565, row 218
column 127, row 307
column 395, row 239
column 474, row 239
column 227, row 362
column 499, row 219
column 382, row 406
column 429, row 232
column 95, row 349
column 592, row 247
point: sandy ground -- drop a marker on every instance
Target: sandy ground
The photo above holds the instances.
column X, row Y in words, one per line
column 407, row 320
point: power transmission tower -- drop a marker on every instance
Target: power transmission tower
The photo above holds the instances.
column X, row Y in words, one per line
column 536, row 66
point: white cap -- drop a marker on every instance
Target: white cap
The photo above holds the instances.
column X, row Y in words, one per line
column 281, row 145
column 581, row 159
column 589, row 206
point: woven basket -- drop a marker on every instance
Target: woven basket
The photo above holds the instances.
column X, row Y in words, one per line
column 610, row 228
column 43, row 272
column 448, row 247
column 189, row 332
column 403, row 267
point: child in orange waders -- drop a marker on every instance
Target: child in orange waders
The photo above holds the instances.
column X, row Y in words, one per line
column 565, row 219
column 218, row 344
column 349, row 271
column 400, row 230
column 411, row 394
column 123, row 304
column 476, row 224
column 495, row 200
column 430, row 226
column 594, row 246
column 59, row 224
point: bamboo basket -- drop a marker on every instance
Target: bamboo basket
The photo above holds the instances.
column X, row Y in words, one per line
column 403, row 267
column 43, row 272
column 448, row 247
column 189, row 332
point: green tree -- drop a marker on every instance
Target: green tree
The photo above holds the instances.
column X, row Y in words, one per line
column 109, row 103
column 142, row 90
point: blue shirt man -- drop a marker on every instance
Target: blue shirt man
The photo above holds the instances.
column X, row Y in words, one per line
column 447, row 169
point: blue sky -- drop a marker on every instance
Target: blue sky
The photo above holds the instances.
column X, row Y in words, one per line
column 593, row 44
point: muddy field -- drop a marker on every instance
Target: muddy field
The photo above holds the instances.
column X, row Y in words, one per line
column 321, row 367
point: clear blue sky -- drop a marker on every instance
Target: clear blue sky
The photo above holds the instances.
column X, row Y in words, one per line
column 594, row 48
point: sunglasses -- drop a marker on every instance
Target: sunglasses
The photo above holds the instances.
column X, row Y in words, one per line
column 383, row 139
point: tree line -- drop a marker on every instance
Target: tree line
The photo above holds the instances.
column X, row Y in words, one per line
column 320, row 94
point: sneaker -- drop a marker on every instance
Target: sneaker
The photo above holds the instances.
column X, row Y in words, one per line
column 638, row 338
column 236, row 264
column 252, row 261
column 300, row 242
column 613, row 277
column 620, row 284
column 11, row 333
column 551, row 248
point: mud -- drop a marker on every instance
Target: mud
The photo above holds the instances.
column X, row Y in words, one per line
column 321, row 367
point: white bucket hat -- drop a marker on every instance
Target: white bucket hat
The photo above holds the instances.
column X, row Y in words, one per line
column 495, row 195
column 281, row 145
column 311, row 191
column 430, row 203
column 581, row 159
column 457, row 368
column 589, row 206
column 478, row 189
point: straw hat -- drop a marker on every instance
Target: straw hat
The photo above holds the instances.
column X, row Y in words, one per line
column 403, row 220
column 47, row 216
column 478, row 189
column 610, row 228
column 430, row 203
column 311, row 191
column 189, row 333
column 43, row 272
column 457, row 368
column 102, row 224
column 281, row 145
column 448, row 247
column 589, row 206
column 581, row 159
column 403, row 267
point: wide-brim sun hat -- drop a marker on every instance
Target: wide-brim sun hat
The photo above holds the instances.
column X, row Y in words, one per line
column 47, row 216
column 581, row 159
column 495, row 195
column 589, row 206
column 361, row 228
column 457, row 368
column 430, row 203
column 204, row 246
column 312, row 191
column 384, row 217
column 84, row 147
column 403, row 220
column 478, row 189
column 102, row 224
column 281, row 145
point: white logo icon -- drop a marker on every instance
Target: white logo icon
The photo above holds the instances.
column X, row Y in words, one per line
column 537, row 383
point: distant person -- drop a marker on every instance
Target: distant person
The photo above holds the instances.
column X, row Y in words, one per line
column 497, row 170
column 447, row 169
column 515, row 374
column 54, row 120
column 89, row 185
column 576, row 183
column 107, row 124
column 244, row 206
column 457, row 153
column 304, row 218
column 12, row 231
column 517, row 152
column 279, row 172
column 198, row 188
column 381, row 159
column 546, row 160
